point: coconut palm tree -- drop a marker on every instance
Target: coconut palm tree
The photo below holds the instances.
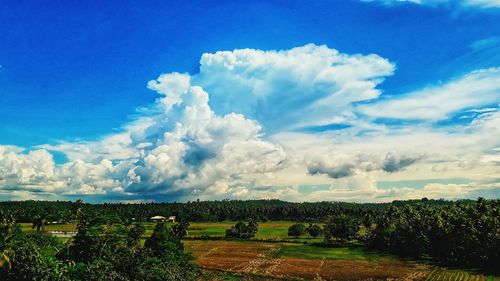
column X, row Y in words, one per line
column 180, row 229
column 77, row 208
column 38, row 223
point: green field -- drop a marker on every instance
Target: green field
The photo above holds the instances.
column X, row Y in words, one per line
column 276, row 230
column 302, row 251
column 50, row 227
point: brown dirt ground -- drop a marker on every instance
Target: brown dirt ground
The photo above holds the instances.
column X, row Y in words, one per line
column 257, row 258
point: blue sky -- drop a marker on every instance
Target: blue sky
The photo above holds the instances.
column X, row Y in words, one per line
column 74, row 88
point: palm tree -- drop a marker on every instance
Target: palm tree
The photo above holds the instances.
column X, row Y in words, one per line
column 180, row 229
column 38, row 223
column 77, row 208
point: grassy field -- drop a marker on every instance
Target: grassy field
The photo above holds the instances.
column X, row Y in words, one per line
column 50, row 227
column 276, row 230
column 301, row 251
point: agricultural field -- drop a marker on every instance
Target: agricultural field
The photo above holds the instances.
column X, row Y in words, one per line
column 292, row 261
column 274, row 255
column 276, row 230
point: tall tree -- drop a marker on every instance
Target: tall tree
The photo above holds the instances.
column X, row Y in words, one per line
column 181, row 228
column 38, row 223
column 341, row 228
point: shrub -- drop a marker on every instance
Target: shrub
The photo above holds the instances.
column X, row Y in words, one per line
column 296, row 230
column 242, row 230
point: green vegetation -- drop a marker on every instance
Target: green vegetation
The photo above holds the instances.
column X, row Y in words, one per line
column 459, row 235
column 181, row 228
column 209, row 229
column 316, row 252
column 296, row 230
column 111, row 243
column 102, row 249
column 341, row 228
column 207, row 211
column 314, row 230
column 242, row 230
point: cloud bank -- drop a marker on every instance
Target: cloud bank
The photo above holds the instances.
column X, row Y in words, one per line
column 278, row 124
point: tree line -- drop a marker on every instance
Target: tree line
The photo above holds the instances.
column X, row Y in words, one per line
column 205, row 211
column 462, row 233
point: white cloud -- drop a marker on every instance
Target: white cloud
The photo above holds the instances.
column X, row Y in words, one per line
column 185, row 149
column 233, row 130
column 314, row 85
column 34, row 171
column 434, row 103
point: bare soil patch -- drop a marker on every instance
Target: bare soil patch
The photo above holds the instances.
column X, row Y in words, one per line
column 258, row 258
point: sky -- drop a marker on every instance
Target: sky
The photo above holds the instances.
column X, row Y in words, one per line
column 350, row 100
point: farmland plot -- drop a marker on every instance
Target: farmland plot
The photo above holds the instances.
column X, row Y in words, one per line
column 262, row 259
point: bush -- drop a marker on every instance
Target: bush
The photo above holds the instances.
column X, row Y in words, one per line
column 296, row 230
column 314, row 230
column 242, row 230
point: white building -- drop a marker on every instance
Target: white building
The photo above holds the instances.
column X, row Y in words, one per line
column 162, row 219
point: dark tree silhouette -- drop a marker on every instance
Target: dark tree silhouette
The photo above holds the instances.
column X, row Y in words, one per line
column 38, row 223
column 296, row 230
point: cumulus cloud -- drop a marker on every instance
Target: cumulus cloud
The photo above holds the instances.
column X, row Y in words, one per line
column 305, row 86
column 233, row 130
column 33, row 171
column 203, row 149
column 184, row 149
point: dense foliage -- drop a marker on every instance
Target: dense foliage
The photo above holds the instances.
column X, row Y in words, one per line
column 106, row 247
column 341, row 228
column 296, row 230
column 314, row 230
column 457, row 234
column 234, row 210
column 101, row 250
column 242, row 230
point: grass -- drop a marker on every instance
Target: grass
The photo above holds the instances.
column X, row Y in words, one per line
column 209, row 228
column 301, row 251
column 443, row 274
column 50, row 227
column 275, row 230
